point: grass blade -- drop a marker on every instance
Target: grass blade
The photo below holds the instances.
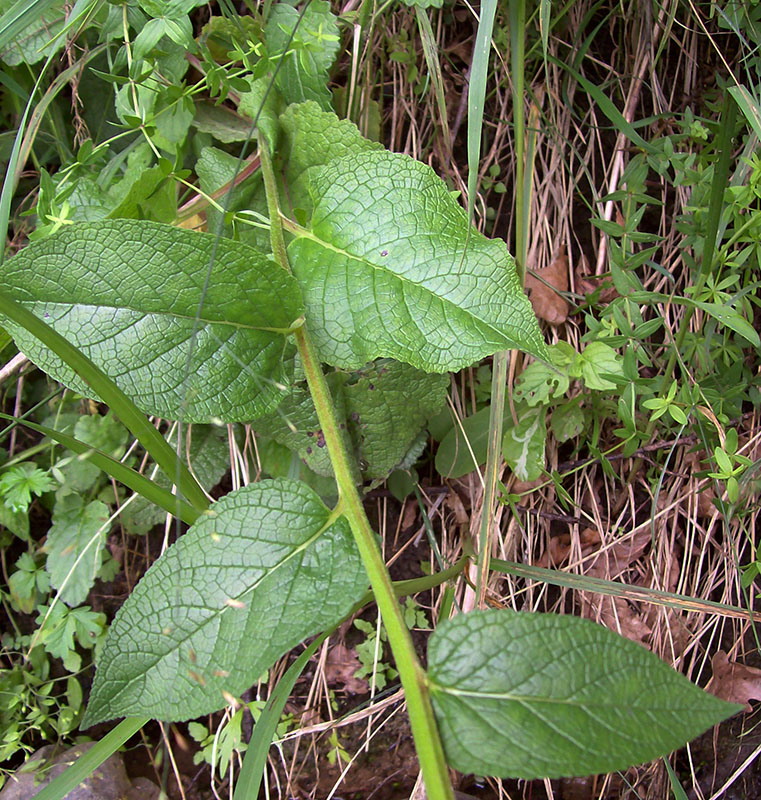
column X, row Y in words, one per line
column 84, row 766
column 477, row 95
column 19, row 16
column 130, row 415
column 434, row 68
column 255, row 760
column 120, row 472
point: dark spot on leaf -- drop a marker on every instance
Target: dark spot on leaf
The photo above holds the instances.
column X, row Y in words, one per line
column 354, row 416
column 310, row 433
column 309, row 451
column 371, row 387
column 46, row 315
column 320, row 439
column 384, row 253
column 342, row 426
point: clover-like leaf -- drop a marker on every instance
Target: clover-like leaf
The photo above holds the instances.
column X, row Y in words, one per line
column 527, row 695
column 267, row 566
column 131, row 295
column 390, row 268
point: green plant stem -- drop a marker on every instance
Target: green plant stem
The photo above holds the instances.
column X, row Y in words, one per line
column 134, row 419
column 500, row 361
column 413, row 677
column 493, row 463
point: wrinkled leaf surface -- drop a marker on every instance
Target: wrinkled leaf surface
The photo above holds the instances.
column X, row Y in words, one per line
column 127, row 293
column 526, row 695
column 265, row 568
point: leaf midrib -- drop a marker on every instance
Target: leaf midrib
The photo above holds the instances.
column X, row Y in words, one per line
column 305, row 233
column 525, row 700
column 215, row 613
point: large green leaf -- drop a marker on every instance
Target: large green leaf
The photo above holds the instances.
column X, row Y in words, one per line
column 313, row 138
column 127, row 294
column 389, row 269
column 266, row 567
column 527, row 695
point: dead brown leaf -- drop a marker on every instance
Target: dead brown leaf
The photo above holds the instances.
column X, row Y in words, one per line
column 547, row 303
column 340, row 666
column 560, row 547
column 734, row 682
column 614, row 560
column 618, row 615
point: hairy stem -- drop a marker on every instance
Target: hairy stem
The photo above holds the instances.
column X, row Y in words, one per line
column 414, row 680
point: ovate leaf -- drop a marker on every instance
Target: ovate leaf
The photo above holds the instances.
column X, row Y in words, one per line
column 224, row 125
column 526, row 695
column 388, row 269
column 127, row 294
column 266, row 567
column 75, row 546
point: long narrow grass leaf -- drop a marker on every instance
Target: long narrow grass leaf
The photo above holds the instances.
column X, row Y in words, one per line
column 477, row 95
column 112, row 395
column 86, row 764
column 586, row 583
column 20, row 16
column 9, row 182
column 118, row 471
column 434, row 70
column 607, row 106
column 250, row 777
column 719, row 183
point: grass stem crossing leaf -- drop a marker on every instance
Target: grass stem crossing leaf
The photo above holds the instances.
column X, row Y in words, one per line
column 127, row 293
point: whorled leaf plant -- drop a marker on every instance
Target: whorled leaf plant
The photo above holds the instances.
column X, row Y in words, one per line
column 381, row 264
